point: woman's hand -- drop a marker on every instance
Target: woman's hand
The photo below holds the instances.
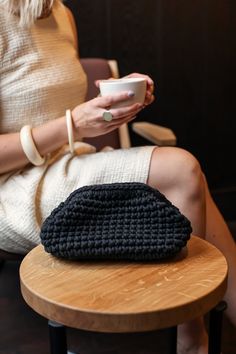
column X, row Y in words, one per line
column 150, row 87
column 88, row 117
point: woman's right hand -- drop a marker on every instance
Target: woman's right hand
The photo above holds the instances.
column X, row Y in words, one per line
column 50, row 136
column 88, row 117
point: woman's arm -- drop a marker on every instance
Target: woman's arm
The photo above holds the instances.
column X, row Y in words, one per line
column 47, row 137
column 87, row 122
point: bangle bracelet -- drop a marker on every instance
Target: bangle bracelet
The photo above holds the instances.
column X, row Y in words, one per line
column 70, row 130
column 29, row 147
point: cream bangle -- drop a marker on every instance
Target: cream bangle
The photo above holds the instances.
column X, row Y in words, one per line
column 70, row 130
column 29, row 147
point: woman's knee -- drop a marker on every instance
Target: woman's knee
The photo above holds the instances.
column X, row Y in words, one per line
column 175, row 168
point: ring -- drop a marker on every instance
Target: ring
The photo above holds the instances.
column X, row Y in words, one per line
column 107, row 116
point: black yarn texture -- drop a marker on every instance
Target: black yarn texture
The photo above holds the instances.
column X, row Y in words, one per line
column 126, row 221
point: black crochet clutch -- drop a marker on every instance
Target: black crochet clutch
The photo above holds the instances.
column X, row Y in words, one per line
column 127, row 221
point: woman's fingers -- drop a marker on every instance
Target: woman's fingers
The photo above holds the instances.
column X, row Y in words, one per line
column 119, row 113
column 149, row 98
column 150, row 87
column 111, row 100
column 119, row 116
column 149, row 94
column 116, row 124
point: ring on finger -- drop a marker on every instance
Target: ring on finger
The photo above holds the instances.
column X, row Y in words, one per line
column 107, row 116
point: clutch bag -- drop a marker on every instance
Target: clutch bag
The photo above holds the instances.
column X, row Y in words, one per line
column 117, row 221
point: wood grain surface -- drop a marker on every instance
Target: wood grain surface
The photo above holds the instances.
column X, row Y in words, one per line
column 122, row 296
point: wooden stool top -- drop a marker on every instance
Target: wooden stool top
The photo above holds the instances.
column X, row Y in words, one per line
column 123, row 296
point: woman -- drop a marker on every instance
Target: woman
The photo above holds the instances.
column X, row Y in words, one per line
column 41, row 79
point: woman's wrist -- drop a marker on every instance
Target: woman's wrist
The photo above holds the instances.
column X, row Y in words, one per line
column 50, row 136
column 47, row 138
column 76, row 129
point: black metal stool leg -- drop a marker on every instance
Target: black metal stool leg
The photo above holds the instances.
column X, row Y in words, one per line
column 215, row 328
column 57, row 335
column 173, row 340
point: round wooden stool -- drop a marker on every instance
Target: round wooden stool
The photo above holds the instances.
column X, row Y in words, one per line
column 121, row 296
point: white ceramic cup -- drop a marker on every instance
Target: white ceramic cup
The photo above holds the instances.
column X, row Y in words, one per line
column 114, row 86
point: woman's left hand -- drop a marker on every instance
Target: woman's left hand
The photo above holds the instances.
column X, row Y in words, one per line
column 150, row 87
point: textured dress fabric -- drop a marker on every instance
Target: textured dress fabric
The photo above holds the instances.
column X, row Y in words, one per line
column 41, row 77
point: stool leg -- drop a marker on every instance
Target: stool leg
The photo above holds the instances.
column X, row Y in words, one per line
column 215, row 328
column 173, row 340
column 57, row 336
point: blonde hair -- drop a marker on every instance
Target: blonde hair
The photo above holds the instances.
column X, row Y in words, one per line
column 27, row 10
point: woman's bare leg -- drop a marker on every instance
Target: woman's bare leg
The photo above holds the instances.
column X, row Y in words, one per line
column 177, row 174
column 218, row 233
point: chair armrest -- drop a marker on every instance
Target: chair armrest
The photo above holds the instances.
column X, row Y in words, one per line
column 157, row 134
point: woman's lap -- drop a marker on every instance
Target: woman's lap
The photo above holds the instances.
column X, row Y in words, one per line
column 28, row 198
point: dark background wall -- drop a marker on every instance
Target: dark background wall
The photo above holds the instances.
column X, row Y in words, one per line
column 188, row 47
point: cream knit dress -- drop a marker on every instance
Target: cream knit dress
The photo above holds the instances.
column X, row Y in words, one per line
column 40, row 77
